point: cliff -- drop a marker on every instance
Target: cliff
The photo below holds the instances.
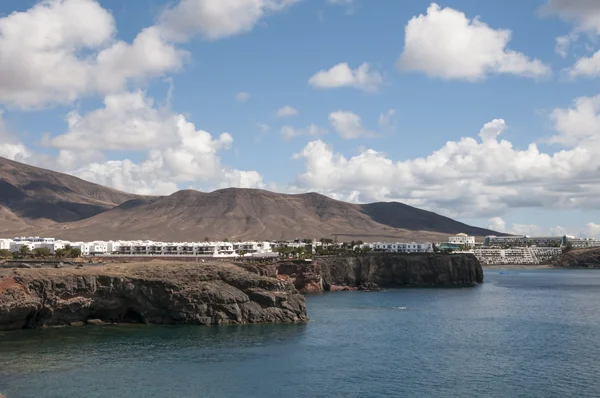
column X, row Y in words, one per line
column 580, row 258
column 401, row 270
column 372, row 271
column 155, row 292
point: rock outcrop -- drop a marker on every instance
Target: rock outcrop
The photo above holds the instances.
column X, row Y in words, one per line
column 580, row 258
column 368, row 272
column 157, row 293
column 306, row 276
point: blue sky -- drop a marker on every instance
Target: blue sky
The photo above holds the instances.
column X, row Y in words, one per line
column 168, row 95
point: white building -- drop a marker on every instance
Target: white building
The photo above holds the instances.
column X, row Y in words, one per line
column 5, row 244
column 398, row 247
column 16, row 246
column 462, row 239
column 517, row 255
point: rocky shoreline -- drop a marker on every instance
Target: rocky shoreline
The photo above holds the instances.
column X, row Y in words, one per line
column 212, row 293
column 579, row 258
column 152, row 292
column 373, row 272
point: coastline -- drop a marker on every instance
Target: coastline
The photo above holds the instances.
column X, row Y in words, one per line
column 517, row 266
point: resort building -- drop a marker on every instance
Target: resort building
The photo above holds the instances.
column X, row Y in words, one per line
column 523, row 241
column 462, row 239
column 581, row 243
column 5, row 244
column 517, row 255
column 398, row 247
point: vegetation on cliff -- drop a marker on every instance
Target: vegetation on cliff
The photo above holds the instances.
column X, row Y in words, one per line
column 155, row 292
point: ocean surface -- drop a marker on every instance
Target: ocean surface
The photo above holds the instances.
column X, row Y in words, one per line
column 523, row 333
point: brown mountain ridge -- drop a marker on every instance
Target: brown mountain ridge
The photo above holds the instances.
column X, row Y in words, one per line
column 43, row 202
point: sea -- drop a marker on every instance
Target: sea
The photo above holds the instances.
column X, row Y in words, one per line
column 522, row 333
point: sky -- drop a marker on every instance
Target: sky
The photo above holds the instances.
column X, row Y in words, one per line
column 484, row 111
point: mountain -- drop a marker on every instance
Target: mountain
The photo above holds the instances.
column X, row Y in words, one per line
column 31, row 196
column 63, row 206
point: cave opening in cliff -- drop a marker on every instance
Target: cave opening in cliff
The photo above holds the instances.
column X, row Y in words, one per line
column 133, row 316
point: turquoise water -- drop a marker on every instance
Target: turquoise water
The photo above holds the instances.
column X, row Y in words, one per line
column 521, row 334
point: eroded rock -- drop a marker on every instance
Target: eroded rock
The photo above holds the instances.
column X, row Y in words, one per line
column 156, row 293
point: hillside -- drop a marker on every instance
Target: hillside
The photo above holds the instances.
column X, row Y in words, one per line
column 82, row 210
column 579, row 258
column 41, row 197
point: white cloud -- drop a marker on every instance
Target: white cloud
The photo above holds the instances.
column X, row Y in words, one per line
column 564, row 42
column 11, row 148
column 341, row 75
column 467, row 178
column 216, row 19
column 385, row 119
column 558, row 231
column 444, row 43
column 585, row 14
column 593, row 229
column 263, row 127
column 148, row 56
column 59, row 50
column 348, row 125
column 490, row 131
column 578, row 124
column 290, row 132
column 526, row 229
column 174, row 151
column 586, row 66
column 287, row 111
column 129, row 121
column 242, row 96
column 497, row 224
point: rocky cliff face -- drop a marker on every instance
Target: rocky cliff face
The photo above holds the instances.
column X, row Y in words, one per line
column 400, row 270
column 581, row 258
column 158, row 293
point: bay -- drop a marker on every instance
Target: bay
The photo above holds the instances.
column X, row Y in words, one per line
column 523, row 333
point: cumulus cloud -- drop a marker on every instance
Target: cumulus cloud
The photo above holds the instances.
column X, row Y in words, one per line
column 526, row 229
column 59, row 50
column 216, row 19
column 469, row 177
column 490, row 131
column 11, row 148
column 172, row 149
column 497, row 224
column 593, row 229
column 341, row 75
column 578, row 124
column 586, row 66
column 242, row 96
column 446, row 44
column 585, row 14
column 348, row 125
column 128, row 121
column 287, row 111
column 289, row 132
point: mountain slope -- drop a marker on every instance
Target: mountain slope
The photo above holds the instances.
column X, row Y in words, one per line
column 43, row 202
column 399, row 215
column 41, row 197
column 253, row 214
